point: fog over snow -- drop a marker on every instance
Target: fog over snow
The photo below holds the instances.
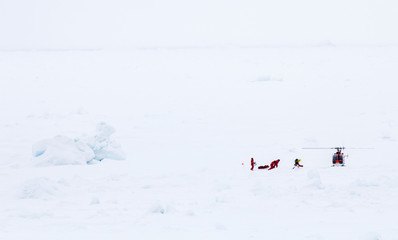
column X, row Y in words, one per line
column 48, row 24
column 138, row 119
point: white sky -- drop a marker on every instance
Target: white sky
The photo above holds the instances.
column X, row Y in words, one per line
column 37, row 24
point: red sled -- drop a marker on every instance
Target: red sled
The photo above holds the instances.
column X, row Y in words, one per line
column 263, row 167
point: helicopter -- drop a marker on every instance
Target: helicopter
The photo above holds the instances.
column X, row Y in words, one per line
column 338, row 159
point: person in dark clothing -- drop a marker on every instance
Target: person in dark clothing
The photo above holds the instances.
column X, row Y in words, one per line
column 297, row 163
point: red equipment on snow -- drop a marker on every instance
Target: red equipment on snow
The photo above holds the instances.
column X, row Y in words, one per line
column 263, row 167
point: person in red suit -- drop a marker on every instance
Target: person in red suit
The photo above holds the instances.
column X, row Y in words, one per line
column 274, row 164
column 253, row 163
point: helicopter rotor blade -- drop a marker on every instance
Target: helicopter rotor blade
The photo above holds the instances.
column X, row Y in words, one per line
column 359, row 148
column 324, row 148
column 338, row 148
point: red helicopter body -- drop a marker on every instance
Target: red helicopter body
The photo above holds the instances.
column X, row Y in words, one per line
column 338, row 157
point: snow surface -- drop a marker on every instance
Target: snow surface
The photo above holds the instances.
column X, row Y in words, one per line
column 189, row 120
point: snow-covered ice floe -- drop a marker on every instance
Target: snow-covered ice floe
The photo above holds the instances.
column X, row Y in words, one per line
column 62, row 150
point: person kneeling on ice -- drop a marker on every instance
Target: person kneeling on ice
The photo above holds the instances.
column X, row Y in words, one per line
column 297, row 163
column 274, row 164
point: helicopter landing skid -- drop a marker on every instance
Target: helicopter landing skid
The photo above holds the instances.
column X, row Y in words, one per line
column 337, row 165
